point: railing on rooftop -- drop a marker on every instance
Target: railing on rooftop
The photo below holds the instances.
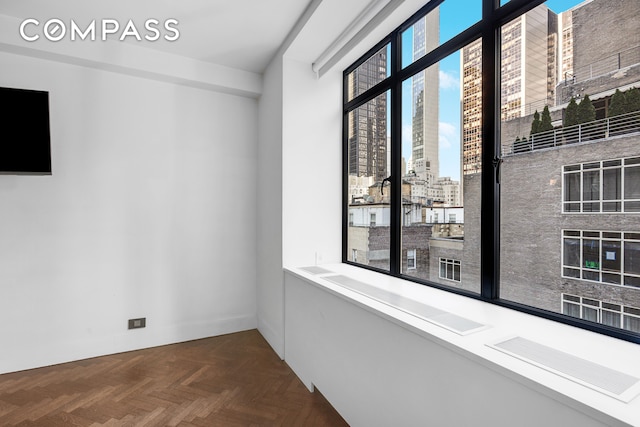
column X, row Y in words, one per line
column 598, row 72
column 617, row 61
column 592, row 131
column 532, row 107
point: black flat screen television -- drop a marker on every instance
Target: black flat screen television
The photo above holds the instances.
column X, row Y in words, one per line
column 25, row 144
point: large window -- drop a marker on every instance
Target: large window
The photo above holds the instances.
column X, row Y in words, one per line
column 593, row 310
column 602, row 186
column 403, row 125
column 602, row 256
column 470, row 136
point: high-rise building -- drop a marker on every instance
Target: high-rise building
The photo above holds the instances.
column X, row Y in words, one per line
column 368, row 127
column 368, row 124
column 526, row 86
column 566, row 43
column 425, row 92
column 471, row 72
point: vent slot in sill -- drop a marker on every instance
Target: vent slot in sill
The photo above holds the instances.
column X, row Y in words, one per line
column 614, row 383
column 315, row 270
column 444, row 319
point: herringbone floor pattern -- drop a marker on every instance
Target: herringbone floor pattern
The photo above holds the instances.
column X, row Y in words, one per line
column 231, row 380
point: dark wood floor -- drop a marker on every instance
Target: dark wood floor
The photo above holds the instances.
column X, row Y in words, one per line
column 231, row 380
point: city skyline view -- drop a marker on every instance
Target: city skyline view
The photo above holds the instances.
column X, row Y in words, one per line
column 569, row 190
column 454, row 16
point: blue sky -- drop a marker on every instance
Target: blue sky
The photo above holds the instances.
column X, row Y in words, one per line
column 455, row 16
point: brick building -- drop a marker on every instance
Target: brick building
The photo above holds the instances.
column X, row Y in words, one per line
column 584, row 245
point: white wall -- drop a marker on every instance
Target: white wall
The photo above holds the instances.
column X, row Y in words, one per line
column 269, row 207
column 299, row 182
column 311, row 168
column 150, row 212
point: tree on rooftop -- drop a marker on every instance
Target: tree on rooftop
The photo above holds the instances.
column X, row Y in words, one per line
column 571, row 114
column 633, row 106
column 618, row 104
column 545, row 120
column 586, row 110
column 633, row 99
column 535, row 125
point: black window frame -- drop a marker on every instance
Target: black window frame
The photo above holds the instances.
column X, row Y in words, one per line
column 494, row 16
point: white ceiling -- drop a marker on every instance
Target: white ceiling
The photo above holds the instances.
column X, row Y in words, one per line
column 242, row 34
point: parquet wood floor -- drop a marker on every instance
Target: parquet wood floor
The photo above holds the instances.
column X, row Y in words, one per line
column 230, row 380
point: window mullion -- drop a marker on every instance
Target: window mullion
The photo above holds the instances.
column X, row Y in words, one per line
column 622, row 198
column 581, row 188
column 345, row 173
column 489, row 240
column 601, row 189
column 395, row 260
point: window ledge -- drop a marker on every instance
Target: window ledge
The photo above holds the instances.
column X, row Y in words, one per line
column 477, row 330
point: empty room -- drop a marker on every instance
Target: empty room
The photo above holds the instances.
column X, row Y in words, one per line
column 320, row 213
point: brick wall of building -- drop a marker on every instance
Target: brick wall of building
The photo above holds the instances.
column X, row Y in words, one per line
column 603, row 28
column 379, row 238
column 466, row 250
column 532, row 222
column 417, row 237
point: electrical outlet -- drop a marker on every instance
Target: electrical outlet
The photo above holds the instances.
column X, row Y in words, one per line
column 137, row 323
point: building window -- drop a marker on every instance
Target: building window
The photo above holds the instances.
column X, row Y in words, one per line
column 593, row 310
column 354, row 255
column 602, row 187
column 450, row 269
column 372, row 220
column 411, row 259
column 602, row 256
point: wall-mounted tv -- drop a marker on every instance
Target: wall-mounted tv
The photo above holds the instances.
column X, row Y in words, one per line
column 25, row 144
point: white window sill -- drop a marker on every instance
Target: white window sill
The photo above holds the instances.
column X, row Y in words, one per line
column 396, row 300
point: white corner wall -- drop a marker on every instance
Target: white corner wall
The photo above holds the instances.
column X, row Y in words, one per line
column 299, row 183
column 270, row 296
column 312, row 166
column 150, row 212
